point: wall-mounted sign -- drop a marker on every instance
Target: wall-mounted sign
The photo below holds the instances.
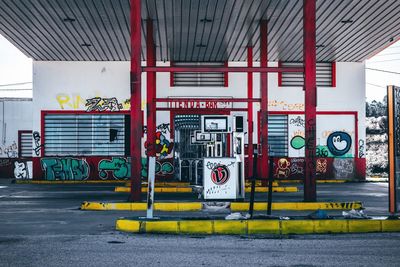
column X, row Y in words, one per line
column 208, row 104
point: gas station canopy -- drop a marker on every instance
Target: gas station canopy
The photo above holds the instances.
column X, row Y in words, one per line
column 197, row 30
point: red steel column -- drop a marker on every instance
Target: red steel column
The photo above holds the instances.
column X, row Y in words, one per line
column 151, row 90
column 250, row 111
column 136, row 99
column 264, row 98
column 310, row 88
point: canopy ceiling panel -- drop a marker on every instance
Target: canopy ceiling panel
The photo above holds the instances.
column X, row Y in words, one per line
column 197, row 30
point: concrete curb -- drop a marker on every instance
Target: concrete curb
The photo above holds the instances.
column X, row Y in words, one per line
column 124, row 189
column 243, row 227
column 234, row 206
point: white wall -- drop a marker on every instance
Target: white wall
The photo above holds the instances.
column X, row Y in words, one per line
column 15, row 115
column 67, row 85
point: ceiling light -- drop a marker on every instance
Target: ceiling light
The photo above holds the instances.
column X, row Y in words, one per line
column 201, row 45
column 346, row 21
column 205, row 20
column 68, row 19
column 86, row 45
column 320, row 46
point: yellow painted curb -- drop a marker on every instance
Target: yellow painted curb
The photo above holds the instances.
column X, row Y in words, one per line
column 242, row 206
column 70, row 182
column 163, row 184
column 128, row 226
column 318, row 181
column 258, row 226
column 286, row 189
column 125, row 189
column 196, row 227
column 234, row 206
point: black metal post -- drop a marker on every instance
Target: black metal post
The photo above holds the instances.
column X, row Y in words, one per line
column 270, row 182
column 253, row 185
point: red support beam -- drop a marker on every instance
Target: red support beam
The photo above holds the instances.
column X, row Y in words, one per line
column 250, row 111
column 310, row 88
column 264, row 98
column 222, row 69
column 136, row 98
column 150, row 90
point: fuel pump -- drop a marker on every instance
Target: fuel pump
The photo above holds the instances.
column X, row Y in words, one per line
column 223, row 177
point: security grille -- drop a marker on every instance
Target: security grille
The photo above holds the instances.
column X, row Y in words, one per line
column 278, row 135
column 25, row 144
column 85, row 135
column 198, row 78
column 324, row 74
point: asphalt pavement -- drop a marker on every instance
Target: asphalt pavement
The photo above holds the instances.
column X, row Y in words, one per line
column 41, row 225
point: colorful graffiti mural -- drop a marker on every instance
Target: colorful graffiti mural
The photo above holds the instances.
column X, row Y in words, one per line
column 163, row 146
column 297, row 142
column 94, row 168
column 65, row 168
column 326, row 168
column 120, row 168
column 338, row 143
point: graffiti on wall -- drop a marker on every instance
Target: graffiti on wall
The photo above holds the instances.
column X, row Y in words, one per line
column 283, row 105
column 298, row 121
column 10, row 151
column 103, row 104
column 120, row 168
column 163, row 146
column 70, row 101
column 321, row 166
column 343, row 168
column 339, row 143
column 283, row 168
column 5, row 162
column 163, row 168
column 297, row 166
column 322, row 152
column 65, row 168
column 361, row 148
column 297, row 142
column 21, row 170
column 325, row 168
column 36, row 139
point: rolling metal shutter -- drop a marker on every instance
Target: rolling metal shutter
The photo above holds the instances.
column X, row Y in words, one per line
column 25, row 144
column 278, row 135
column 84, row 135
column 324, row 74
column 198, row 79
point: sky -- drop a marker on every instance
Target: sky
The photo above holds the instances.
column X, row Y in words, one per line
column 15, row 67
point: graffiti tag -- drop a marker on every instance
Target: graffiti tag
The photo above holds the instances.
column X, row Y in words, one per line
column 298, row 121
column 361, row 148
column 21, row 170
column 119, row 167
column 65, row 168
column 36, row 139
column 103, row 104
column 10, row 151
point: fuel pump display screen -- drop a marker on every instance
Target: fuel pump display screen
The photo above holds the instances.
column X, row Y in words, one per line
column 215, row 124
